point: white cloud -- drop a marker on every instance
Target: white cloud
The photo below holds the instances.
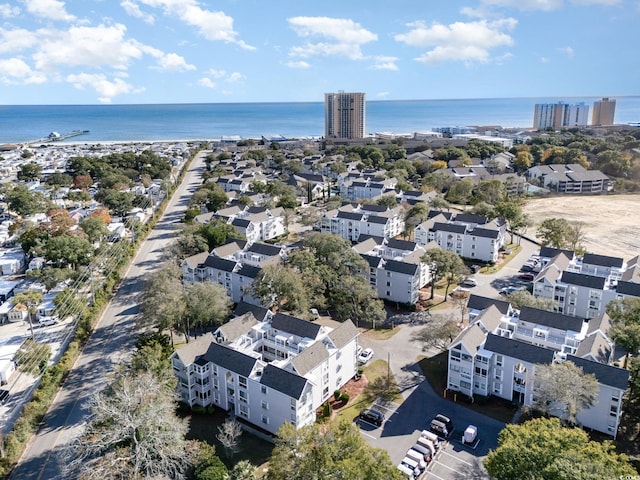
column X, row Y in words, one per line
column 385, row 63
column 16, row 71
column 382, row 95
column 51, row 9
column 13, row 41
column 172, row 62
column 224, row 75
column 106, row 89
column 133, row 9
column 89, row 46
column 207, row 82
column 210, row 24
column 460, row 41
column 8, row 11
column 568, row 51
column 298, row 64
column 544, row 60
column 543, row 5
column 340, row 37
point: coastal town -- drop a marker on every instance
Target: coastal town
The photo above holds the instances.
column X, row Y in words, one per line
column 318, row 246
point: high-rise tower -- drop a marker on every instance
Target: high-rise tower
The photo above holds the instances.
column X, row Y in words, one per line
column 559, row 115
column 603, row 112
column 344, row 115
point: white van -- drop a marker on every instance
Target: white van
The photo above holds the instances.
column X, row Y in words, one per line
column 426, row 452
column 418, row 457
column 411, row 463
column 407, row 471
column 431, row 436
column 425, row 442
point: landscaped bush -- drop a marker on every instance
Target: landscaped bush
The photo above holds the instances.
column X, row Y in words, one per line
column 344, row 397
column 336, row 395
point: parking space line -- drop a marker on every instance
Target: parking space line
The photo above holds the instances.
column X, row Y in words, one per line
column 457, row 458
column 370, row 436
column 445, row 466
column 437, row 476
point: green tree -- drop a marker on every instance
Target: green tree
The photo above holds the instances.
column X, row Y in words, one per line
column 207, row 305
column 24, row 202
column 94, row 228
column 65, row 250
column 553, row 232
column 490, row 191
column 443, row 264
column 218, row 232
column 162, row 302
column 512, row 213
column 523, row 298
column 120, row 203
column 543, row 449
column 243, row 470
column 283, row 287
column 29, row 172
column 30, row 299
column 352, row 297
column 625, row 319
column 460, row 192
column 324, row 451
column 388, row 201
column 563, row 389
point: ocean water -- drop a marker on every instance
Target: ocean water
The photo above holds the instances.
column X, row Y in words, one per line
column 115, row 123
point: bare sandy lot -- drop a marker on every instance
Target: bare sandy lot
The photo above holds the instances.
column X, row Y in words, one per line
column 612, row 222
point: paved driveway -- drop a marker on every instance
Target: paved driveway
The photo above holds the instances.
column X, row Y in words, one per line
column 421, row 403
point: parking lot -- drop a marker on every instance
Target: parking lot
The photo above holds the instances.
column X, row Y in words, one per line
column 455, row 461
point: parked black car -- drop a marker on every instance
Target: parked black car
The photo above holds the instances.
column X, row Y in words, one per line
column 372, row 416
column 441, row 425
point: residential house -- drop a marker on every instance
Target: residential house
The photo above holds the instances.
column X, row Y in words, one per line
column 395, row 268
column 471, row 236
column 570, row 178
column 498, row 353
column 351, row 221
column 366, row 188
column 268, row 370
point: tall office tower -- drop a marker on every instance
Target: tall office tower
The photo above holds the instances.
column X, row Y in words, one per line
column 344, row 115
column 559, row 115
column 603, row 112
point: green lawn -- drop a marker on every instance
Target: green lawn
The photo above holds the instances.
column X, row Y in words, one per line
column 205, row 428
column 435, row 371
column 374, row 371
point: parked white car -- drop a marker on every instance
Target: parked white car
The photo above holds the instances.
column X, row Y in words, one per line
column 365, row 356
column 48, row 321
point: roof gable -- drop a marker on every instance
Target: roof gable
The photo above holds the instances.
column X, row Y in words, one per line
column 551, row 319
column 296, row 326
column 517, row 349
column 282, row 381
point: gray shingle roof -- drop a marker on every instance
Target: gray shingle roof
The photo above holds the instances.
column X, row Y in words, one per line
column 471, row 218
column 350, row 215
column 628, row 288
column 449, row 227
column 606, row 374
column 517, row 349
column 237, row 327
column 220, row 263
column 435, row 213
column 243, row 307
column 189, row 352
column 401, row 244
column 471, row 337
column 476, row 302
column 583, row 280
column 310, row 358
column 343, row 334
column 374, row 208
column 282, row 381
column 264, row 249
column 240, row 222
column 602, row 260
column 230, row 359
column 596, row 346
column 378, row 220
column 484, row 232
column 295, row 326
column 550, row 252
column 401, row 267
column 551, row 319
column 374, row 262
column 248, row 271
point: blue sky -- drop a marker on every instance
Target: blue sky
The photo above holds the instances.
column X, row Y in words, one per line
column 183, row 51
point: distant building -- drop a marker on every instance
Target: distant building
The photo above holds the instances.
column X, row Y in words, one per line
column 344, row 115
column 560, row 115
column 603, row 112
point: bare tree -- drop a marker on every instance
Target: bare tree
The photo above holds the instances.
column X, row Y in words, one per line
column 439, row 333
column 132, row 432
column 229, row 434
column 576, row 235
column 563, row 389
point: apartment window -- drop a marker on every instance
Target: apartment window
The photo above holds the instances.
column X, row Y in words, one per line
column 264, row 405
column 388, row 284
column 615, row 398
column 265, row 419
column 464, row 384
column 454, row 367
column 481, row 371
column 242, row 381
column 243, row 395
column 613, row 411
column 215, row 369
column 293, row 404
column 388, row 274
column 263, row 389
column 244, row 411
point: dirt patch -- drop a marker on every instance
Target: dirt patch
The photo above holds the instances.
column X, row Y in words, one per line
column 353, row 388
column 611, row 221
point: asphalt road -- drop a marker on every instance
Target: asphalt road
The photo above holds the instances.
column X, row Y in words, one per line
column 110, row 345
